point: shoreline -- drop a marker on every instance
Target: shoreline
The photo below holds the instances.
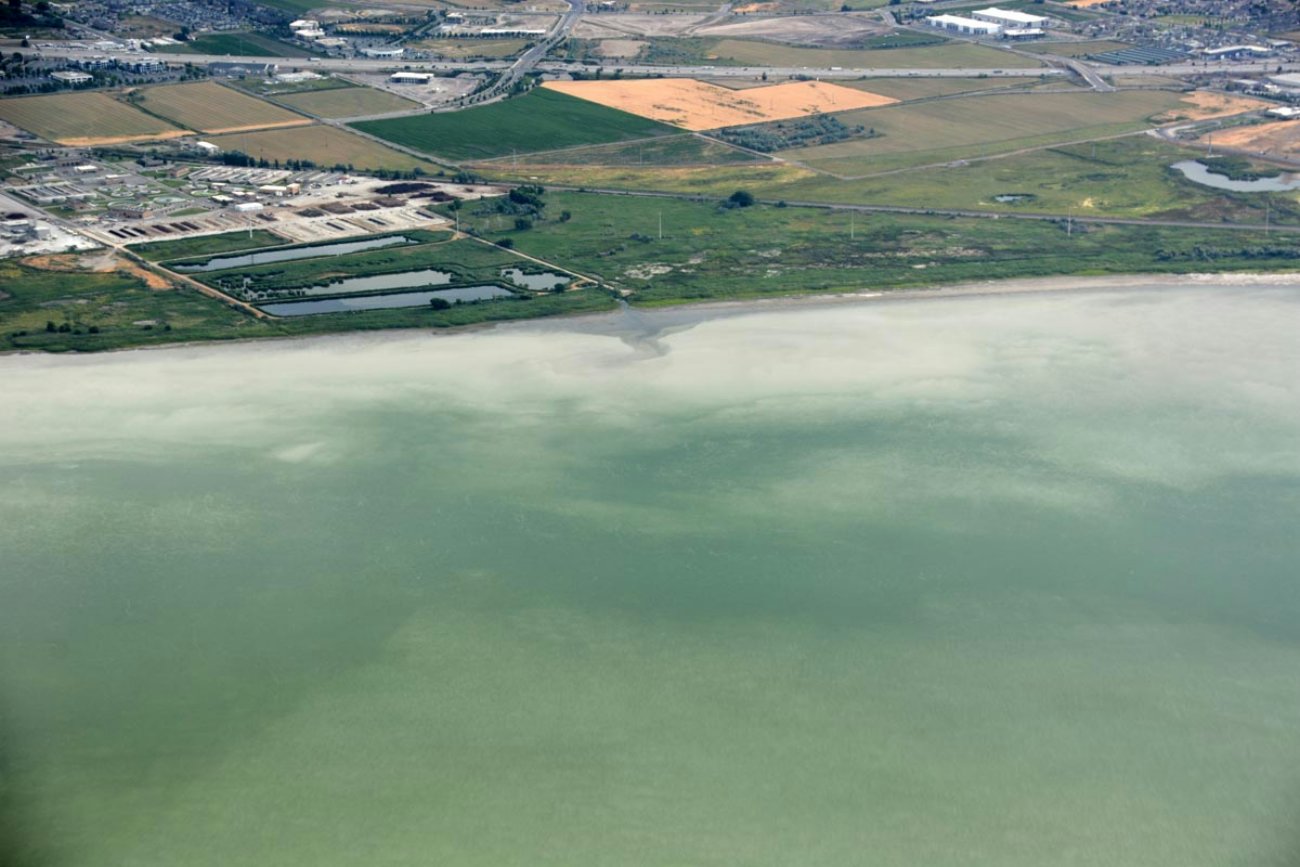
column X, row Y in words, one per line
column 969, row 289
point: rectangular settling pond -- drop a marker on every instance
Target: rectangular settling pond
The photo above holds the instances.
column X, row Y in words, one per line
column 220, row 263
column 383, row 302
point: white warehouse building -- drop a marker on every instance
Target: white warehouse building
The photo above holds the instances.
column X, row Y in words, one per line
column 967, row 26
column 1011, row 18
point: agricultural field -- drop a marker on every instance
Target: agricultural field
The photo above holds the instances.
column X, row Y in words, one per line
column 709, row 252
column 84, row 119
column 907, row 89
column 239, row 45
column 213, row 108
column 694, row 105
column 325, row 146
column 946, row 130
column 347, row 102
column 953, row 54
column 263, row 87
column 676, row 150
column 542, row 119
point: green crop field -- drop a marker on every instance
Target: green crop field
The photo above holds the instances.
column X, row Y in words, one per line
column 347, row 102
column 540, row 120
column 675, row 150
column 944, row 130
column 211, row 108
column 324, row 145
column 952, row 54
column 239, row 45
column 84, row 118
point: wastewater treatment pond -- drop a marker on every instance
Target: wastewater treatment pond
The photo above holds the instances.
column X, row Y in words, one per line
column 385, row 302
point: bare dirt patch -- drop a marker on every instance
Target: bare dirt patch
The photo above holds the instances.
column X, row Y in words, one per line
column 620, row 48
column 821, row 31
column 98, row 263
column 1204, row 105
column 694, row 105
column 608, row 26
column 1280, row 139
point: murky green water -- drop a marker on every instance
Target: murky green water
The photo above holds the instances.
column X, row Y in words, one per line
column 987, row 581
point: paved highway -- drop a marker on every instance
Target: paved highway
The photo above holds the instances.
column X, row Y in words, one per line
column 532, row 59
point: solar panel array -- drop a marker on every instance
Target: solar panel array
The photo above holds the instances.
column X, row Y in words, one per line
column 1131, row 56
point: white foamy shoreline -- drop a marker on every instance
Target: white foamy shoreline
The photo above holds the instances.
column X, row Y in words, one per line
column 707, row 309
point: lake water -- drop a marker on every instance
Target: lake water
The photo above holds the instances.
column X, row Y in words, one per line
column 267, row 257
column 381, row 302
column 1200, row 173
column 1005, row 581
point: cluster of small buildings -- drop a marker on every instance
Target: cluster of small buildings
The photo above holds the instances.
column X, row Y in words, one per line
column 993, row 22
column 308, row 30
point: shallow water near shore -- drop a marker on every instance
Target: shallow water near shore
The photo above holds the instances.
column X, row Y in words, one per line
column 975, row 581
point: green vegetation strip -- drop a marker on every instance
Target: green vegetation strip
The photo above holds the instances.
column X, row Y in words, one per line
column 539, row 120
column 710, row 252
column 207, row 245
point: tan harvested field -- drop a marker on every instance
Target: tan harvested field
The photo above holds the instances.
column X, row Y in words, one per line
column 923, row 88
column 324, row 145
column 212, row 108
column 348, row 102
column 694, row 105
column 749, row 52
column 84, row 119
column 1204, row 105
column 1281, row 138
column 939, row 131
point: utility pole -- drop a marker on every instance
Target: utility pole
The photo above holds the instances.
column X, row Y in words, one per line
column 1069, row 224
column 661, row 225
column 853, row 226
column 1268, row 214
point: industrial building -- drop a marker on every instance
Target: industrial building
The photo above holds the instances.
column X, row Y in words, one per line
column 964, row 26
column 1010, row 18
column 384, row 53
column 71, row 77
column 410, row 77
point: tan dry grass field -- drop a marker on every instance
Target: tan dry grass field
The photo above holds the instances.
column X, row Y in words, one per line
column 84, row 119
column 1281, row 138
column 348, row 102
column 213, row 108
column 696, row 106
column 324, row 145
